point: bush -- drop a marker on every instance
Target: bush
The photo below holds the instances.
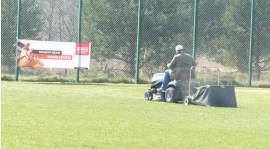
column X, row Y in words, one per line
column 6, row 78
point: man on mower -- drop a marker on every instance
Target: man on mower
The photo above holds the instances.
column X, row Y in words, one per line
column 179, row 67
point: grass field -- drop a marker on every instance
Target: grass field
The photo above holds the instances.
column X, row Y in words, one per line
column 115, row 116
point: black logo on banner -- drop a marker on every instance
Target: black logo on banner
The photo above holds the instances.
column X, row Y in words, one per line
column 53, row 52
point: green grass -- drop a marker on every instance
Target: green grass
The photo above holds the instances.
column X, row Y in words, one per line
column 115, row 116
column 68, row 79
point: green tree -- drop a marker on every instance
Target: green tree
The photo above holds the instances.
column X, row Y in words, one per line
column 209, row 19
column 31, row 25
column 112, row 27
column 236, row 24
column 61, row 20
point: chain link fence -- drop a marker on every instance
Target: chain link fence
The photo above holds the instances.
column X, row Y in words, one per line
column 223, row 36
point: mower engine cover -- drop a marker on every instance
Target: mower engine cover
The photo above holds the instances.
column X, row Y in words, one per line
column 157, row 80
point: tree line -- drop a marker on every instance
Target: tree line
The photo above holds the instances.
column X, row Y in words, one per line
column 111, row 25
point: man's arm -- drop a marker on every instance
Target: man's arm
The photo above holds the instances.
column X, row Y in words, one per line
column 172, row 64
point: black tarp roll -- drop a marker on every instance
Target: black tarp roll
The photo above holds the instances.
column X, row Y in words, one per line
column 217, row 96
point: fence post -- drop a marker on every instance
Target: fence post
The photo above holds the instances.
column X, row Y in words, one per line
column 18, row 37
column 79, row 39
column 195, row 29
column 251, row 41
column 138, row 40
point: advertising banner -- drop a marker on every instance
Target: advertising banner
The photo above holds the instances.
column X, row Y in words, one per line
column 53, row 54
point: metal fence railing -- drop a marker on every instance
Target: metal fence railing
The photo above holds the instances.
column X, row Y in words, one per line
column 223, row 35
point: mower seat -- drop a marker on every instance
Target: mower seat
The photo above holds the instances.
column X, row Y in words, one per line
column 185, row 75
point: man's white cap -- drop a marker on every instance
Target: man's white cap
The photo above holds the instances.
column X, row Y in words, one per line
column 179, row 47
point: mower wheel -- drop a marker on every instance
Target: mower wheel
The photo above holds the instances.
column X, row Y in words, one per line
column 148, row 95
column 186, row 100
column 171, row 95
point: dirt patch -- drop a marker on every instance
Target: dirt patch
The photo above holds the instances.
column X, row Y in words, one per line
column 203, row 61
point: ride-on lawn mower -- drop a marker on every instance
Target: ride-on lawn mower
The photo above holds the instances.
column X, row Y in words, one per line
column 189, row 91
